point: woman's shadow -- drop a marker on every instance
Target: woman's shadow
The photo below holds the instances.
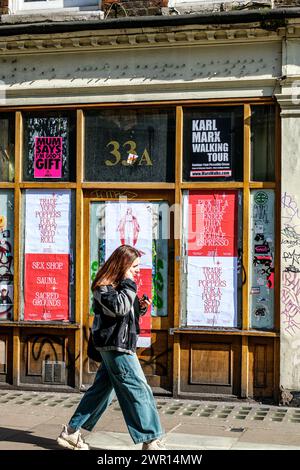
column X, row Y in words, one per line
column 10, row 435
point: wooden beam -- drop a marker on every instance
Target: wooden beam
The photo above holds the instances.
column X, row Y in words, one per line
column 16, row 357
column 79, row 310
column 245, row 368
column 246, row 216
column 138, row 104
column 17, row 213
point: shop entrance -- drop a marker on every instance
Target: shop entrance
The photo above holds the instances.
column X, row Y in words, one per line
column 144, row 220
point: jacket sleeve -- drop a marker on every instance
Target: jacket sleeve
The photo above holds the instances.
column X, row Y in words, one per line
column 117, row 302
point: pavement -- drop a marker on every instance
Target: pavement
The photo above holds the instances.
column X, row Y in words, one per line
column 32, row 421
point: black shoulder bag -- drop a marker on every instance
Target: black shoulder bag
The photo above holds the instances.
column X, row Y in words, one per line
column 92, row 352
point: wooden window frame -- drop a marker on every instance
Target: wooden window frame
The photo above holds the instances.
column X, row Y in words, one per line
column 177, row 187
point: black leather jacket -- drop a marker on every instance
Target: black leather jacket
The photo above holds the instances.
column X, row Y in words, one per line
column 116, row 321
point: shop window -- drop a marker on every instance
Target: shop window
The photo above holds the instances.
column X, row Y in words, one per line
column 7, row 148
column 212, row 263
column 213, row 144
column 263, row 143
column 49, row 147
column 262, row 259
column 130, row 145
column 144, row 225
column 6, row 254
column 48, row 262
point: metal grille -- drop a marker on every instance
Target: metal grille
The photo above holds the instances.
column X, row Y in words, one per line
column 54, row 372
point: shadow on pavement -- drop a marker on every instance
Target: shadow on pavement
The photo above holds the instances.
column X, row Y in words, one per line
column 10, row 435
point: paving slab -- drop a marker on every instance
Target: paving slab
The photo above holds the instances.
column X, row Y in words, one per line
column 31, row 420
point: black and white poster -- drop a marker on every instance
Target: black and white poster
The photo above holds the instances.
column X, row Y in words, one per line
column 210, row 147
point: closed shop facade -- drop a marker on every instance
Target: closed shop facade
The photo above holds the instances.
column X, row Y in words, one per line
column 169, row 141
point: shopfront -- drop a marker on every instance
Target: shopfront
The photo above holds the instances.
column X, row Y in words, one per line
column 194, row 185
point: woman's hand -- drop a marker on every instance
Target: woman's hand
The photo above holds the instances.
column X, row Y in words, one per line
column 145, row 303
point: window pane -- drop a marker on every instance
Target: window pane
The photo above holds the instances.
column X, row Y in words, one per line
column 6, row 254
column 212, row 272
column 129, row 145
column 213, row 144
column 48, row 261
column 148, row 218
column 49, row 147
column 7, row 147
column 262, row 255
column 263, row 143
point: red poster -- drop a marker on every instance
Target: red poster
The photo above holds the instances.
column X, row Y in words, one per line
column 46, row 287
column 144, row 286
column 212, row 223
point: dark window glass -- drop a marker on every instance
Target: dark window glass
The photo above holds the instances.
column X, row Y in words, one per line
column 213, row 144
column 49, row 147
column 263, row 143
column 130, row 145
column 7, row 147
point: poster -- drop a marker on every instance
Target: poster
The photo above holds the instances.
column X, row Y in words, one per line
column 47, row 255
column 212, row 223
column 211, row 291
column 131, row 224
column 211, row 262
column 48, row 152
column 262, row 242
column 6, row 254
column 210, row 147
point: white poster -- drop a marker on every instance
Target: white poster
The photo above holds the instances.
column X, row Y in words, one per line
column 211, row 291
column 47, row 219
column 129, row 224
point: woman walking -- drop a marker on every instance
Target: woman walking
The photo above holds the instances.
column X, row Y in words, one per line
column 115, row 331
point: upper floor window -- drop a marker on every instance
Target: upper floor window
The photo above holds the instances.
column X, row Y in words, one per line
column 37, row 5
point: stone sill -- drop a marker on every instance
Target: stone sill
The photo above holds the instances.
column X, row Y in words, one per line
column 52, row 16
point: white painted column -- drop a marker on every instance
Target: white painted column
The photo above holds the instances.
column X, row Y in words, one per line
column 289, row 101
column 290, row 245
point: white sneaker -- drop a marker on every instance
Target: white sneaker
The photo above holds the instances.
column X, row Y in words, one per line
column 156, row 444
column 72, row 440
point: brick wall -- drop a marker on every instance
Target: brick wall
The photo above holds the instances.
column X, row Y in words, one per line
column 115, row 9
column 3, row 7
column 286, row 3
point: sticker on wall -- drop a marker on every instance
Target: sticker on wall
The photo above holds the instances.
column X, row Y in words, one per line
column 255, row 290
column 261, row 313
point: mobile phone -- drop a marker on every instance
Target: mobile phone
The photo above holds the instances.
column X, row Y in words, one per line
column 145, row 297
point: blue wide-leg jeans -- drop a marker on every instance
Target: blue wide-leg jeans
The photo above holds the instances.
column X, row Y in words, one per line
column 120, row 373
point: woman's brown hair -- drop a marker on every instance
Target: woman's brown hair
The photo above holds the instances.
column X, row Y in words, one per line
column 114, row 269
